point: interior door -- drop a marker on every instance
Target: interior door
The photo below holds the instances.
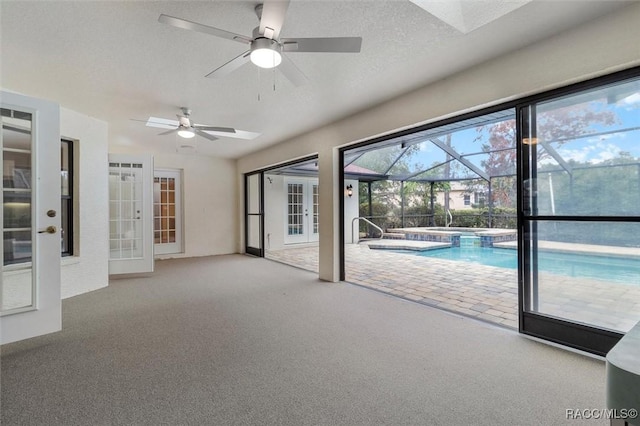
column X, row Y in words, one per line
column 30, row 286
column 301, row 222
column 130, row 214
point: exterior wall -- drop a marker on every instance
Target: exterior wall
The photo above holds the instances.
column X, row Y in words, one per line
column 210, row 216
column 597, row 48
column 456, row 197
column 274, row 206
column 88, row 268
column 456, row 200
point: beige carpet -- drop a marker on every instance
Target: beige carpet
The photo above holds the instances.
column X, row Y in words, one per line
column 235, row 340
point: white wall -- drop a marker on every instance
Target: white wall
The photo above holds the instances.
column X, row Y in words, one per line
column 275, row 205
column 274, row 208
column 88, row 269
column 596, row 48
column 211, row 217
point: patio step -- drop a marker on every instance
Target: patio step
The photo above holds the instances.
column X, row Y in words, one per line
column 393, row 236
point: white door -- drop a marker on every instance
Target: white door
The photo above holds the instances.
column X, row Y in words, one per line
column 30, row 287
column 167, row 211
column 130, row 214
column 301, row 221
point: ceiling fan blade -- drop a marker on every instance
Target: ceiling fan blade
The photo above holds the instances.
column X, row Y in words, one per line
column 161, row 123
column 205, row 135
column 273, row 13
column 230, row 66
column 291, row 72
column 194, row 26
column 322, row 44
column 168, row 132
column 215, row 129
column 239, row 134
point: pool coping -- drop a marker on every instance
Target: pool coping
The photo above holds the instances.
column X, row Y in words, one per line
column 404, row 245
column 589, row 249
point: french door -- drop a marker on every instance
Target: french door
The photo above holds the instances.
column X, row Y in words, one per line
column 301, row 221
column 130, row 214
column 167, row 211
column 30, row 281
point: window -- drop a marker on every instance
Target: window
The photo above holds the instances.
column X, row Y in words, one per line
column 66, row 192
column 467, row 200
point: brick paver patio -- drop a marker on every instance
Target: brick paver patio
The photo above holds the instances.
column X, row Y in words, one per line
column 483, row 292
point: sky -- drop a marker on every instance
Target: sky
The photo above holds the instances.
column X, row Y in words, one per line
column 597, row 149
column 605, row 142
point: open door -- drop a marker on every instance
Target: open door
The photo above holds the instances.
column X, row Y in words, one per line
column 254, row 213
column 130, row 214
column 30, row 286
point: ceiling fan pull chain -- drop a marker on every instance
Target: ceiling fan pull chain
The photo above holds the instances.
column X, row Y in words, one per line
column 259, row 84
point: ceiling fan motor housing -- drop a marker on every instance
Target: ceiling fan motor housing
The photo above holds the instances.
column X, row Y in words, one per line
column 184, row 121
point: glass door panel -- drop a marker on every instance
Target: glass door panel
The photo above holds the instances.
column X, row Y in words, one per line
column 301, row 220
column 581, row 224
column 296, row 226
column 130, row 214
column 17, row 276
column 126, row 211
column 315, row 208
column 586, row 272
column 254, row 216
column 167, row 211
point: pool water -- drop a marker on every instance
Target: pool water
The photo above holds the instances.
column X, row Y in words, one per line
column 612, row 269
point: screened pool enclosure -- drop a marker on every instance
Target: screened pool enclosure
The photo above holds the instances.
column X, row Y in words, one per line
column 552, row 178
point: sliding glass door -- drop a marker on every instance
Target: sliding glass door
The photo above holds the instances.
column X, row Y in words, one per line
column 580, row 220
column 254, row 214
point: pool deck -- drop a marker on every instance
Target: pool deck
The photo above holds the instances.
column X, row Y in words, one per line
column 484, row 292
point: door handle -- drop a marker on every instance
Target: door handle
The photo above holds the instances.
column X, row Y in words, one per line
column 48, row 230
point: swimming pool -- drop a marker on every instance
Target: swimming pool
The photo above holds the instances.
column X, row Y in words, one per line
column 612, row 269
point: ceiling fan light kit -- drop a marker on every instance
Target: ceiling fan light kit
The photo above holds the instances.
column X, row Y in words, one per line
column 265, row 53
column 186, row 132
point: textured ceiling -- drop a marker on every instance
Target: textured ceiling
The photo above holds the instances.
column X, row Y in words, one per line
column 114, row 61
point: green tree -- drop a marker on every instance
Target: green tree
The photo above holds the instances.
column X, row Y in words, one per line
column 558, row 126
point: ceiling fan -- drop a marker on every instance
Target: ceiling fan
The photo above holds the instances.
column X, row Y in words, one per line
column 265, row 45
column 185, row 128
